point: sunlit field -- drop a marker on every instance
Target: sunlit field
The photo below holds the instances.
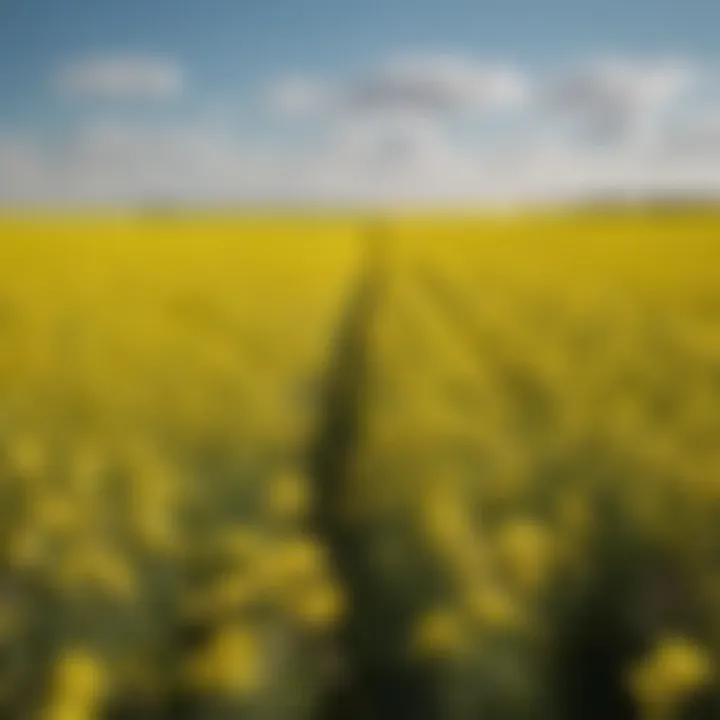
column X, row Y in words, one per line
column 407, row 467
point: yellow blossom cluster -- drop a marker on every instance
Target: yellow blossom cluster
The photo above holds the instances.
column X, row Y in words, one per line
column 523, row 448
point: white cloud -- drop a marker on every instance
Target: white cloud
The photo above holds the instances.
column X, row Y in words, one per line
column 119, row 163
column 23, row 167
column 621, row 98
column 395, row 159
column 402, row 161
column 698, row 136
column 395, row 146
column 298, row 96
column 441, row 83
column 121, row 77
column 125, row 163
column 433, row 83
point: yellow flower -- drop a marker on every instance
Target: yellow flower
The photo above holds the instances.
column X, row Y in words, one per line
column 445, row 519
column 156, row 527
column 28, row 457
column 57, row 514
column 494, row 608
column 320, row 607
column 523, row 550
column 675, row 670
column 67, row 710
column 233, row 663
column 229, row 593
column 295, row 561
column 288, row 497
column 99, row 568
column 87, row 466
column 439, row 634
column 80, row 679
column 241, row 543
column 114, row 573
column 26, row 548
column 575, row 514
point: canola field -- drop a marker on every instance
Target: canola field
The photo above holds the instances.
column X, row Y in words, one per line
column 410, row 467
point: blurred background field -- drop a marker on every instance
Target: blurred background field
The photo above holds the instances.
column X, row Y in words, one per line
column 422, row 467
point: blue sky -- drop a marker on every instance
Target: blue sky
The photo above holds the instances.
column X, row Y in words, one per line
column 231, row 46
column 229, row 54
